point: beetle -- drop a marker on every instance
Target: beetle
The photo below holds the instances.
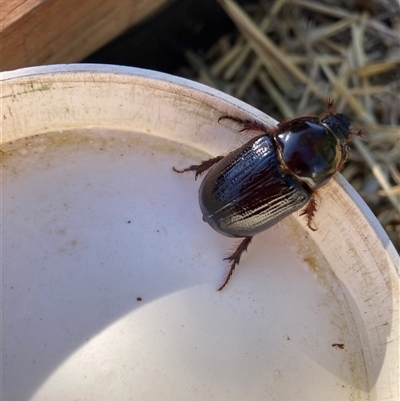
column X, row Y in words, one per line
column 273, row 175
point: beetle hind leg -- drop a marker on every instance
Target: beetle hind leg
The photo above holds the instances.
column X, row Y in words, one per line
column 235, row 259
column 200, row 168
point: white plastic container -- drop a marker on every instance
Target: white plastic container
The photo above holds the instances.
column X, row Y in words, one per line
column 110, row 275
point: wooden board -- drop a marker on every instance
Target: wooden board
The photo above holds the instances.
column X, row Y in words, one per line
column 36, row 32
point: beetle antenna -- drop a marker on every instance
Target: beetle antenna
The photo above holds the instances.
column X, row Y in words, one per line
column 360, row 132
column 330, row 102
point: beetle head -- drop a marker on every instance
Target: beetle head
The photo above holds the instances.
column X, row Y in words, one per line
column 339, row 124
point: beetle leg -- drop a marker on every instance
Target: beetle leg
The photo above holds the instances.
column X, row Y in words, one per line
column 309, row 212
column 247, row 124
column 200, row 168
column 235, row 259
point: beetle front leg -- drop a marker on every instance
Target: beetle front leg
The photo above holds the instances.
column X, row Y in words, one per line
column 235, row 259
column 309, row 212
column 248, row 125
column 200, row 168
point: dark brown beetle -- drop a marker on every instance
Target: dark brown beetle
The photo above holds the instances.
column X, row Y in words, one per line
column 271, row 176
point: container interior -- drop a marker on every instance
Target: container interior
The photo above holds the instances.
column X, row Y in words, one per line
column 110, row 279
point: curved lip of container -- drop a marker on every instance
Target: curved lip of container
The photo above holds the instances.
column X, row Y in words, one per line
column 343, row 217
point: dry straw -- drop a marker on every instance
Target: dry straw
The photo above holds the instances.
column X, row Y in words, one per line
column 288, row 56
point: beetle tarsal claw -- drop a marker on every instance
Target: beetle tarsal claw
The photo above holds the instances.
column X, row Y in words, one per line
column 247, row 125
column 184, row 170
column 200, row 168
column 190, row 168
column 235, row 259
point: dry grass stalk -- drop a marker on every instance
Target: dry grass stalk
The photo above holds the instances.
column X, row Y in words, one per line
column 303, row 52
